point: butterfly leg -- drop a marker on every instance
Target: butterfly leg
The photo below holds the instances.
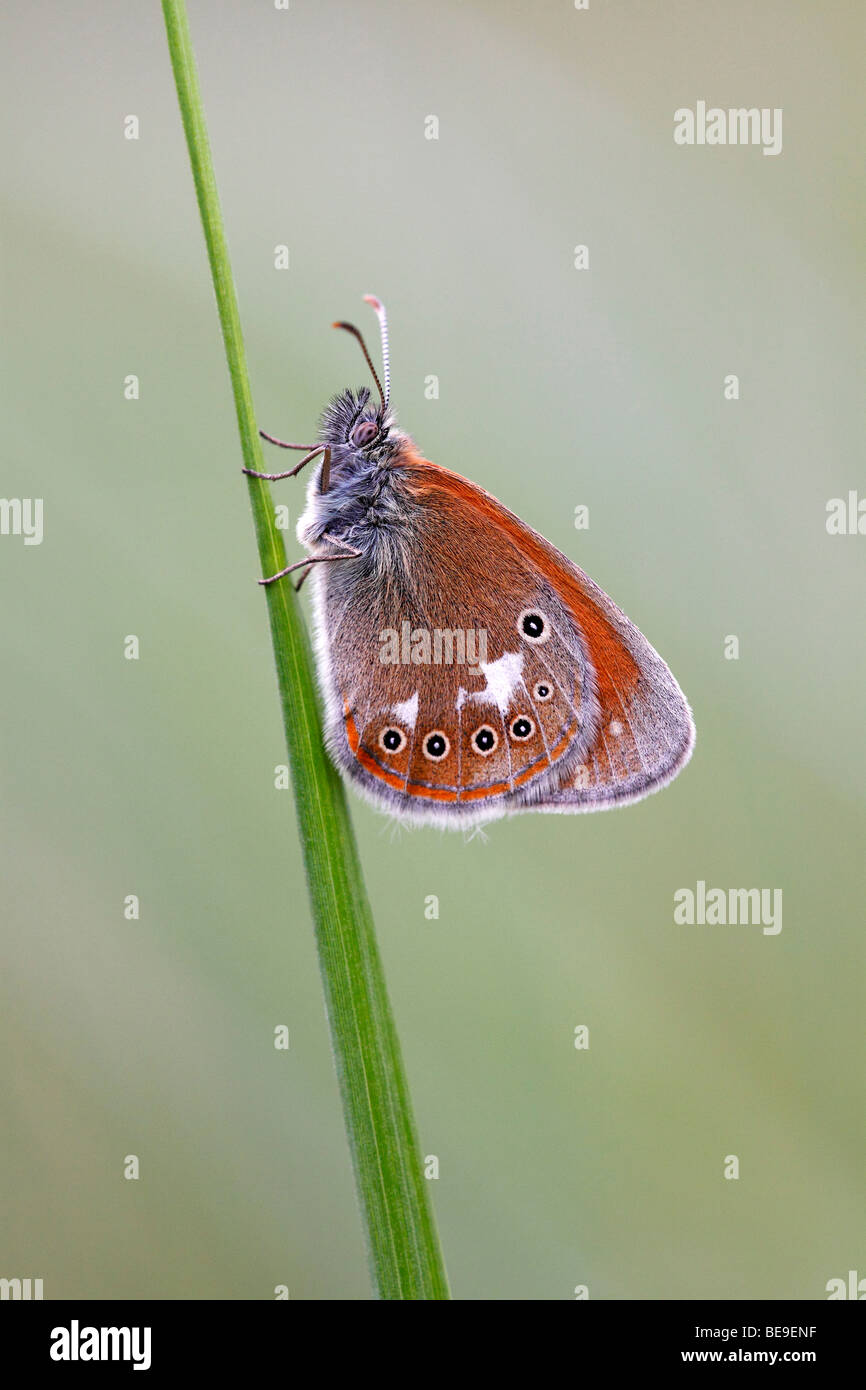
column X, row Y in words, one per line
column 309, row 560
column 283, row 444
column 307, row 571
column 314, row 451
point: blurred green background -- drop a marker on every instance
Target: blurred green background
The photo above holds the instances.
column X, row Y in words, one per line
column 558, row 387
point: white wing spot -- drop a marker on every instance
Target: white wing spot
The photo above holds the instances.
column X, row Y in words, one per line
column 503, row 677
column 615, row 728
column 407, row 712
column 581, row 778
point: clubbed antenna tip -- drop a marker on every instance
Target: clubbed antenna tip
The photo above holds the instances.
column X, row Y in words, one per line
column 383, row 330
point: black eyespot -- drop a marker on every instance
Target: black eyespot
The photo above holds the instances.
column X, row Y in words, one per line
column 542, row 691
column 484, row 740
column 364, row 433
column 533, row 625
column 522, row 728
column 436, row 746
column 392, row 740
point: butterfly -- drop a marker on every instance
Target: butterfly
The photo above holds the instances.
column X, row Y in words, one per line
column 468, row 668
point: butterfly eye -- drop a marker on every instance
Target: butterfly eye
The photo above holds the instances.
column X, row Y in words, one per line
column 364, row 433
column 436, row 746
column 484, row 740
column 522, row 728
column 533, row 625
column 392, row 740
column 542, row 691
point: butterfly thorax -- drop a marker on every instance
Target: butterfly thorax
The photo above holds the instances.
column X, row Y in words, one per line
column 367, row 503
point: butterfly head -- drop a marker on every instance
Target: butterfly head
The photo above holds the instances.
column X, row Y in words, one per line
column 357, row 430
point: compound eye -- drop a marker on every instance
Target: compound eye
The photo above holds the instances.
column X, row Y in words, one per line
column 364, row 433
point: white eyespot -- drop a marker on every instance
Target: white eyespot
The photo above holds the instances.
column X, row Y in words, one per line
column 534, row 626
column 392, row 740
column 436, row 746
column 615, row 728
column 542, row 691
column 581, row 776
column 485, row 740
column 522, row 728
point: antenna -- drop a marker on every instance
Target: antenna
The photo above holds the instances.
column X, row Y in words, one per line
column 386, row 361
column 383, row 329
column 350, row 328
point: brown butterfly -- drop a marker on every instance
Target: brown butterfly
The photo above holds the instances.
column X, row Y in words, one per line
column 469, row 670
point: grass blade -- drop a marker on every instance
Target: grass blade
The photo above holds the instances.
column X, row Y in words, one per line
column 403, row 1246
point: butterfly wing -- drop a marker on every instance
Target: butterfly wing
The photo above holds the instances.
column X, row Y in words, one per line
column 645, row 732
column 435, row 705
column 472, row 670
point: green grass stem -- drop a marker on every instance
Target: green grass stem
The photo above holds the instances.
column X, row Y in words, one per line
column 403, row 1245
